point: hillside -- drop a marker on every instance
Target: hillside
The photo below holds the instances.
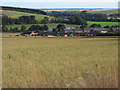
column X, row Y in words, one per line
column 16, row 14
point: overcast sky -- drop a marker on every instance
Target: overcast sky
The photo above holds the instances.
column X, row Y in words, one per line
column 60, row 0
column 62, row 3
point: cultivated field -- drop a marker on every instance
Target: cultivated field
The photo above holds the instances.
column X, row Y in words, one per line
column 59, row 62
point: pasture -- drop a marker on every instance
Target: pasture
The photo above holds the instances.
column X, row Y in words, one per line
column 41, row 62
column 103, row 23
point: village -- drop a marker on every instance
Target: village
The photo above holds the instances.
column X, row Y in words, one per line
column 89, row 31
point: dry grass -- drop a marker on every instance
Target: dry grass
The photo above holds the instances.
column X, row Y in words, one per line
column 60, row 62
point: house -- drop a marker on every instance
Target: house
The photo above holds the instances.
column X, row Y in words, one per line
column 78, row 30
column 29, row 34
column 91, row 33
column 104, row 31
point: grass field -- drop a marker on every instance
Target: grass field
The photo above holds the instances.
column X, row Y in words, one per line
column 14, row 14
column 103, row 23
column 29, row 62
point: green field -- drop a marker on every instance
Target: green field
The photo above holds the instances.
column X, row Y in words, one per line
column 103, row 23
column 14, row 14
column 34, row 62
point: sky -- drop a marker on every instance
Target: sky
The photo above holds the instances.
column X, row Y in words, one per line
column 38, row 4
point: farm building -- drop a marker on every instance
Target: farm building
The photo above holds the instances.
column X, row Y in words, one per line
column 29, row 34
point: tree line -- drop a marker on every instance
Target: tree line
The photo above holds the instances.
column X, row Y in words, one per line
column 21, row 20
column 84, row 15
column 31, row 20
column 42, row 28
column 35, row 11
column 23, row 28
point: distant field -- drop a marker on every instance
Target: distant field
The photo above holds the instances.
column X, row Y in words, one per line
column 106, row 11
column 14, row 14
column 59, row 62
column 99, row 11
column 69, row 25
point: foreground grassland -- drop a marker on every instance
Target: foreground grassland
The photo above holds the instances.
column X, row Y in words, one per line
column 59, row 62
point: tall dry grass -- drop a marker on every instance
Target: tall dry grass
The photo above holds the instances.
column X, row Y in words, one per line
column 60, row 62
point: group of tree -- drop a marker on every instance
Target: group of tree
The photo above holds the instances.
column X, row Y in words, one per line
column 21, row 20
column 77, row 20
column 38, row 28
column 99, row 26
column 35, row 11
column 59, row 28
column 45, row 20
column 71, row 20
column 86, row 16
column 23, row 28
column 6, row 29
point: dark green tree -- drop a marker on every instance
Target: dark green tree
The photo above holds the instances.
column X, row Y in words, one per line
column 60, row 27
column 52, row 20
column 4, row 28
column 23, row 28
column 45, row 20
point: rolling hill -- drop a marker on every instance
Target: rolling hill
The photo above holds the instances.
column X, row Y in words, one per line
column 39, row 17
column 16, row 14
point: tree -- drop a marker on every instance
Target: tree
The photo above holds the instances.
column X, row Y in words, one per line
column 4, row 28
column 83, row 26
column 52, row 20
column 84, row 12
column 23, row 28
column 38, row 27
column 61, row 27
column 96, row 25
column 11, row 29
column 46, row 27
column 32, row 28
column 80, row 21
column 106, row 26
column 55, row 30
column 16, row 29
column 71, row 20
column 45, row 20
